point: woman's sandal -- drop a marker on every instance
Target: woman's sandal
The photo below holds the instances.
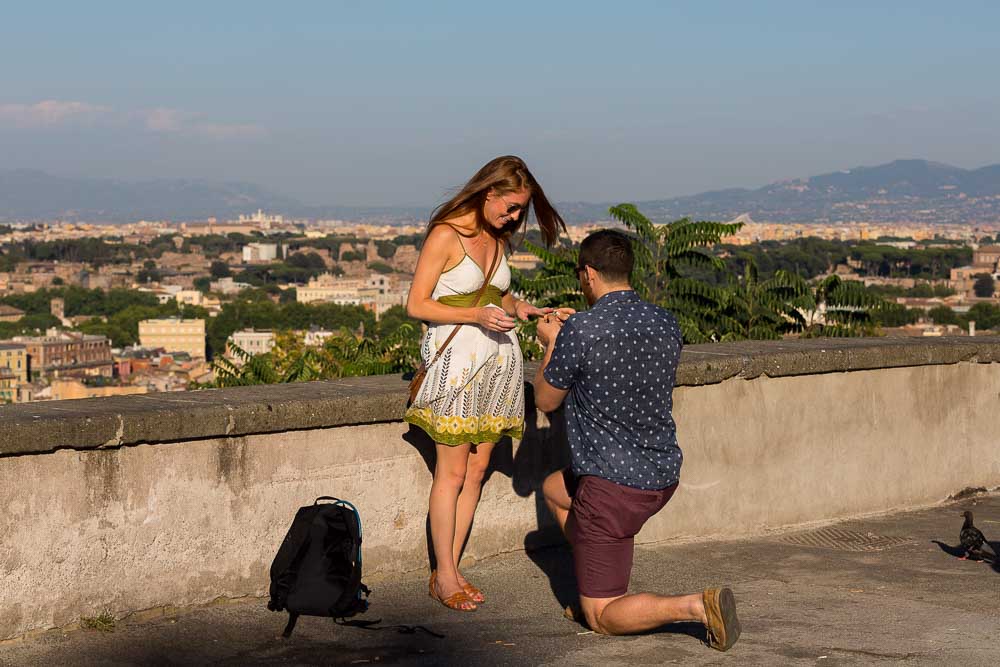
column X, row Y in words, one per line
column 474, row 593
column 455, row 600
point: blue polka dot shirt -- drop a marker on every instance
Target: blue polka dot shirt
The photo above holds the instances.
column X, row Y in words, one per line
column 619, row 361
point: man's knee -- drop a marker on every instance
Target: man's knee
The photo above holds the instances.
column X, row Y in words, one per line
column 554, row 490
column 593, row 609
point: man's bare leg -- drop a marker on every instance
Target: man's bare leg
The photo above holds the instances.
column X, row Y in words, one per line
column 557, row 498
column 630, row 614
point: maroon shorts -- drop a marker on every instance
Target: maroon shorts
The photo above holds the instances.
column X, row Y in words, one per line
column 603, row 521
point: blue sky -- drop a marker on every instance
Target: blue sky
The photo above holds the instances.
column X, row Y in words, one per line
column 376, row 103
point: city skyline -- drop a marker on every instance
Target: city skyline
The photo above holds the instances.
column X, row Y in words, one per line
column 367, row 105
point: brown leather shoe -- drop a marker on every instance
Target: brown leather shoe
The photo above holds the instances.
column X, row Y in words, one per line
column 723, row 626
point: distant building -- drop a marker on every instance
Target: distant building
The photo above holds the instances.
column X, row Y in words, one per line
column 250, row 341
column 988, row 255
column 10, row 313
column 227, row 286
column 523, row 260
column 376, row 293
column 260, row 252
column 174, row 335
column 67, row 354
column 985, row 259
column 316, row 337
column 9, row 386
column 14, row 357
column 190, row 297
column 62, row 389
column 263, row 219
column 57, row 306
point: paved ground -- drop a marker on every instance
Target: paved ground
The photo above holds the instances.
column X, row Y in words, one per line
column 803, row 599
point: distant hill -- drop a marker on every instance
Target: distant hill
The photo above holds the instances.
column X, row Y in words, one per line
column 29, row 194
column 915, row 190
column 904, row 190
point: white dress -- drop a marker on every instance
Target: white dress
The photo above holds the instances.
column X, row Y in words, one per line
column 475, row 392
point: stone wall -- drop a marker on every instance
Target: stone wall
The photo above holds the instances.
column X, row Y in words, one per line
column 135, row 503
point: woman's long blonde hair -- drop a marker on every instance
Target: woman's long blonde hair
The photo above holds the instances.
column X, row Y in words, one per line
column 503, row 175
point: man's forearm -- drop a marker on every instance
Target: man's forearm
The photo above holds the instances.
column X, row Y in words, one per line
column 540, row 373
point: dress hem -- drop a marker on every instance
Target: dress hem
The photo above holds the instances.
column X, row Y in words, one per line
column 456, row 439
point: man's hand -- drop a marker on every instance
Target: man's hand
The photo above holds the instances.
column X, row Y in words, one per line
column 548, row 329
column 564, row 313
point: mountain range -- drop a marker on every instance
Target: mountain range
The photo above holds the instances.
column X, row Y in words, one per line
column 904, row 190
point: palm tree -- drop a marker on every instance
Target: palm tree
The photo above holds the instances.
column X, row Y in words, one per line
column 662, row 252
column 841, row 308
column 763, row 310
column 346, row 354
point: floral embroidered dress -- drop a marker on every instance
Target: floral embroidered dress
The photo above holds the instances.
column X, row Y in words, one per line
column 474, row 392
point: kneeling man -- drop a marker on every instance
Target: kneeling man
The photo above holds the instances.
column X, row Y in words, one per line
column 614, row 365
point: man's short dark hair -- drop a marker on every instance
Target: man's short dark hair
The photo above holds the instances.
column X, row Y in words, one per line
column 609, row 252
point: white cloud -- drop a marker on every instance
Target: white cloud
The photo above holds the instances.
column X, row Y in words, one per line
column 166, row 120
column 160, row 120
column 186, row 123
column 48, row 113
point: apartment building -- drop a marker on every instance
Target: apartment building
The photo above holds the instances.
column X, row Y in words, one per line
column 251, row 342
column 174, row 334
column 14, row 357
column 67, row 353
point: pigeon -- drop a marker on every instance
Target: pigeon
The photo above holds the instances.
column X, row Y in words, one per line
column 973, row 541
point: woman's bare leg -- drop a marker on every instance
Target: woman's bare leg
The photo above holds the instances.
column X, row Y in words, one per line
column 449, row 478
column 468, row 499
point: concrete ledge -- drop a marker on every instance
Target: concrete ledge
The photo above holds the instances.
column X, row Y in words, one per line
column 95, row 423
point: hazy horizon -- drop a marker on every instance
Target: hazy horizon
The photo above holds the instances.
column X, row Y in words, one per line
column 392, row 104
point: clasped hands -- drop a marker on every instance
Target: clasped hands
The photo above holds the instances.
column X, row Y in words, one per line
column 551, row 323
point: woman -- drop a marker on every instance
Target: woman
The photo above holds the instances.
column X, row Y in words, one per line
column 473, row 394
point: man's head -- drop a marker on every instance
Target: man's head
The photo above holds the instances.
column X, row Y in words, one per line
column 605, row 263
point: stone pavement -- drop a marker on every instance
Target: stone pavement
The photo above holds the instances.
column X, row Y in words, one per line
column 871, row 591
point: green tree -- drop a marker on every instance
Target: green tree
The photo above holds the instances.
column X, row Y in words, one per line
column 352, row 256
column 942, row 315
column 380, row 267
column 983, row 287
column 386, row 249
column 841, row 308
column 38, row 322
column 343, row 355
column 306, row 260
column 897, row 315
column 663, row 256
column 219, row 269
column 761, row 310
column 985, row 315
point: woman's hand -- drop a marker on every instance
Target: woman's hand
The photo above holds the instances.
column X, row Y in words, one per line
column 523, row 310
column 494, row 319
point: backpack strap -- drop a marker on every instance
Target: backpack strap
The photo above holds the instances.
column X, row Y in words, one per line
column 350, row 601
column 289, row 552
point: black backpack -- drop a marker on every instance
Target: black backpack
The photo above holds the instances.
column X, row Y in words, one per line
column 317, row 570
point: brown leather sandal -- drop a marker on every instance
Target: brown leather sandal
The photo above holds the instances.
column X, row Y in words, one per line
column 458, row 601
column 474, row 593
